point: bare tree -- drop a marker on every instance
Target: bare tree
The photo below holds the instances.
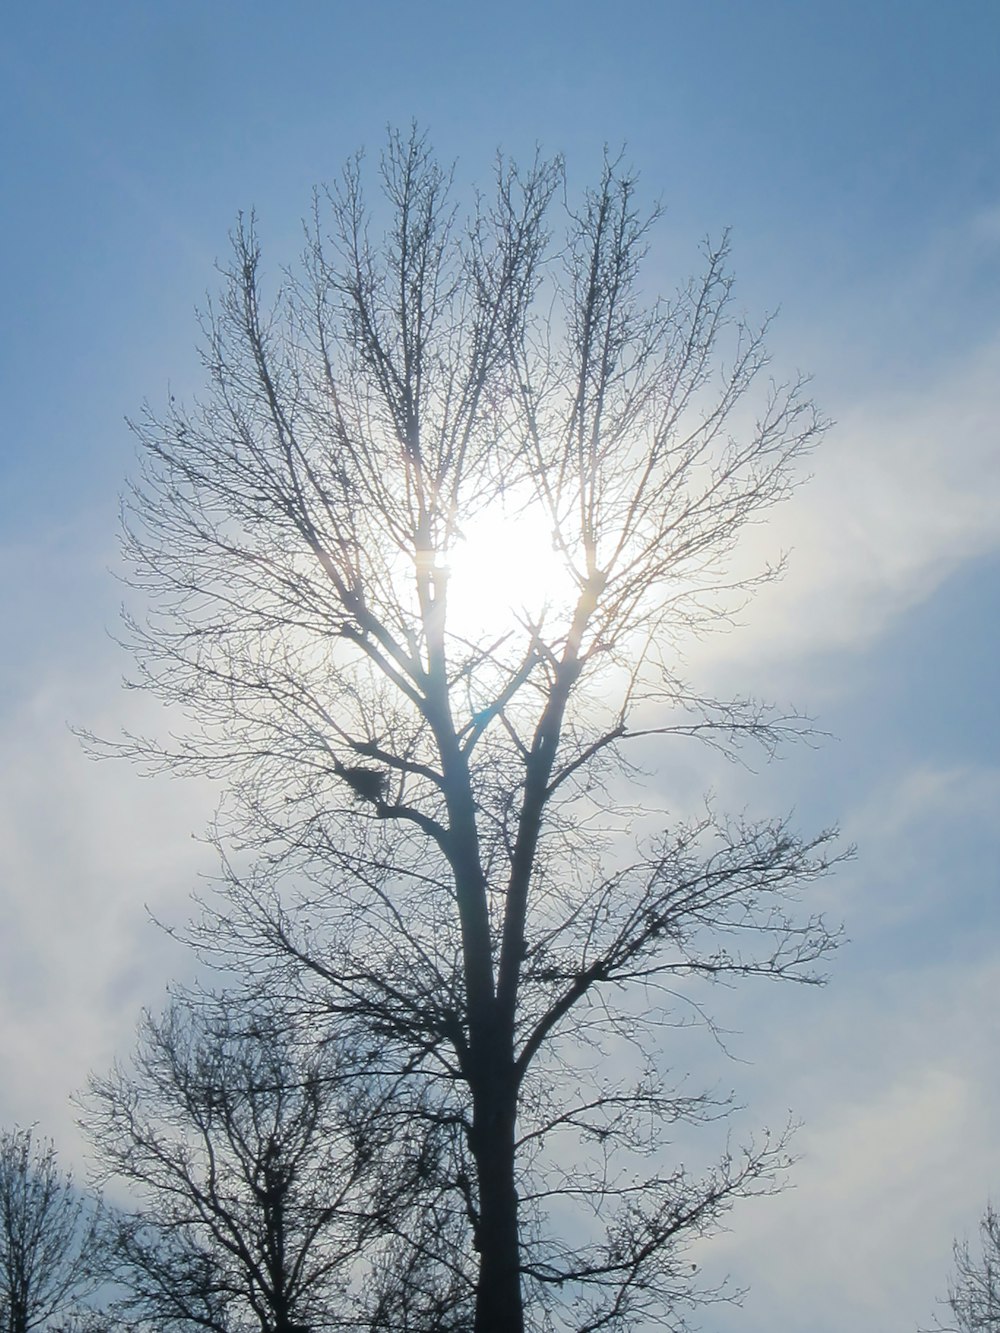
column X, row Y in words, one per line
column 430, row 823
column 89, row 1321
column 974, row 1291
column 46, row 1228
column 267, row 1168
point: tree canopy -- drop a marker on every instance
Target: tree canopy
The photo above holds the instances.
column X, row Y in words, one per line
column 265, row 1165
column 46, row 1232
column 429, row 833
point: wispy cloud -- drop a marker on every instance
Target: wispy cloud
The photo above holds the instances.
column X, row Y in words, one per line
column 897, row 1084
column 905, row 491
column 84, row 848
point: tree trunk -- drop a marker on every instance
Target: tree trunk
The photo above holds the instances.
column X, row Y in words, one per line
column 499, row 1305
column 18, row 1315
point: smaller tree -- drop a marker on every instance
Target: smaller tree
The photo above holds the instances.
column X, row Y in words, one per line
column 973, row 1302
column 268, row 1170
column 46, row 1235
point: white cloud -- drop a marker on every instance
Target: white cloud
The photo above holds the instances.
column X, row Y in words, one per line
column 906, row 489
column 899, row 1088
column 84, row 848
column 892, row 1069
column 905, row 494
column 928, row 843
column 926, row 792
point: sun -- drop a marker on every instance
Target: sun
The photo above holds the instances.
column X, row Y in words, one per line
column 506, row 569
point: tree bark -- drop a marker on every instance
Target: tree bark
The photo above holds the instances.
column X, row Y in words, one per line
column 499, row 1302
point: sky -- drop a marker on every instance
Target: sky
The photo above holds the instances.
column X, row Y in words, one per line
column 854, row 149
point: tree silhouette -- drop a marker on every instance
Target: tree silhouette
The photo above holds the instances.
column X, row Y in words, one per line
column 430, row 831
column 974, row 1292
column 266, row 1169
column 46, row 1231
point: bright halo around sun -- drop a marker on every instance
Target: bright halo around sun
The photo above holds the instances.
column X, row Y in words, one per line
column 506, row 570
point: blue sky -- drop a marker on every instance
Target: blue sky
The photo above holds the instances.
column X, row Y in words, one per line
column 855, row 150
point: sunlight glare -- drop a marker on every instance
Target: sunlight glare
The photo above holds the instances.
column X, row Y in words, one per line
column 506, row 569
